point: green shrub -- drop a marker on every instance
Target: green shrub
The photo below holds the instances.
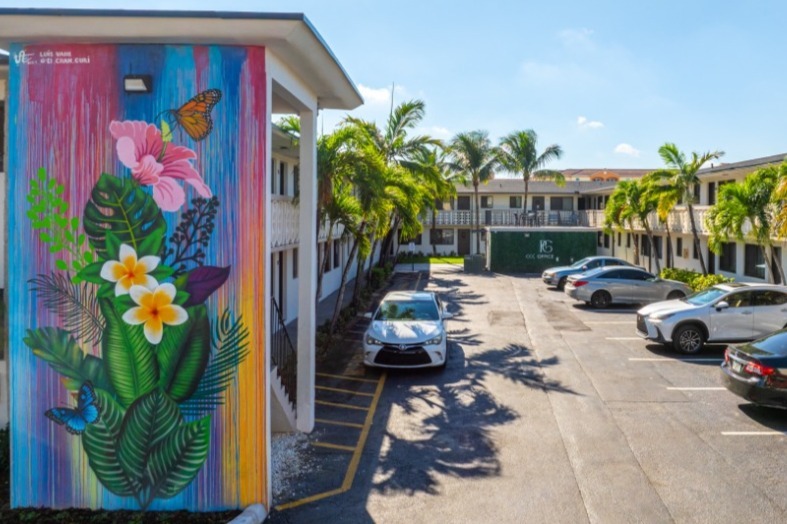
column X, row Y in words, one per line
column 696, row 281
column 378, row 277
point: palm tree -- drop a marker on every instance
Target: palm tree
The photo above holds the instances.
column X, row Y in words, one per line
column 668, row 197
column 437, row 182
column 396, row 149
column 746, row 209
column 475, row 159
column 633, row 200
column 517, row 153
column 682, row 174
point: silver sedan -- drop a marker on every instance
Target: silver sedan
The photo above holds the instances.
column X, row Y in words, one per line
column 618, row 285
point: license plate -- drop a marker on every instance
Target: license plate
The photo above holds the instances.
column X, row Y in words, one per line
column 737, row 367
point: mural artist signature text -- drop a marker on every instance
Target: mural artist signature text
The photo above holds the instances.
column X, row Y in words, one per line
column 49, row 58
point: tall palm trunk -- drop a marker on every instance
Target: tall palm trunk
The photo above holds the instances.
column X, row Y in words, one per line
column 431, row 232
column 477, row 223
column 343, row 286
column 371, row 262
column 524, row 202
column 697, row 245
column 636, row 244
column 653, row 252
column 669, row 259
column 322, row 262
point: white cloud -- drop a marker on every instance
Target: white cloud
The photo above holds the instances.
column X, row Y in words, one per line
column 576, row 37
column 381, row 95
column 626, row 149
column 373, row 95
column 438, row 132
column 584, row 123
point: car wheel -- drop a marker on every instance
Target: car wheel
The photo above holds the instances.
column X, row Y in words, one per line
column 600, row 299
column 688, row 339
column 561, row 284
column 675, row 295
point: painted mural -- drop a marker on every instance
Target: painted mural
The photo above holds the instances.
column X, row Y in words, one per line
column 136, row 306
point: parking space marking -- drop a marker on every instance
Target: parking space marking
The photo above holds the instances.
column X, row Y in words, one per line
column 662, row 359
column 332, row 446
column 340, row 390
column 339, row 423
column 624, row 338
column 345, row 377
column 340, row 405
column 714, row 388
column 754, row 433
column 356, row 457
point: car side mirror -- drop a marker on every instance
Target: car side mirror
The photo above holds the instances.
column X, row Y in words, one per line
column 447, row 315
column 367, row 315
column 722, row 305
column 585, row 267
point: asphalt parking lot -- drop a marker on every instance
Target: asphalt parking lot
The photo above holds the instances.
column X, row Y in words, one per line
column 550, row 411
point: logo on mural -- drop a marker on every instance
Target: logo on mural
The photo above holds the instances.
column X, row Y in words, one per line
column 136, row 343
column 545, row 247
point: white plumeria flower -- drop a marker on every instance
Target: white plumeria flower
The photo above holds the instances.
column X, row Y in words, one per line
column 130, row 271
column 155, row 308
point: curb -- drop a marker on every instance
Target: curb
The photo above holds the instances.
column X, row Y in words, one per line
column 254, row 514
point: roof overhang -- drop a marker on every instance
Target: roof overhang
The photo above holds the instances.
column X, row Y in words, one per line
column 289, row 35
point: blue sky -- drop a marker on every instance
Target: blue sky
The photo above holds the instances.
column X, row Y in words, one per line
column 608, row 81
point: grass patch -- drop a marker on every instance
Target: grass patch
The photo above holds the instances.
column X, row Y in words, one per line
column 422, row 259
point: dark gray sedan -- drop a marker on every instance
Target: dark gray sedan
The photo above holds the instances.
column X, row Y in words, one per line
column 758, row 371
column 557, row 276
column 623, row 285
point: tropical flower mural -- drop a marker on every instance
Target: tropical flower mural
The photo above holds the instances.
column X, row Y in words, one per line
column 123, row 285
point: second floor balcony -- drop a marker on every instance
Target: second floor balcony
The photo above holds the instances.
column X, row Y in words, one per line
column 285, row 220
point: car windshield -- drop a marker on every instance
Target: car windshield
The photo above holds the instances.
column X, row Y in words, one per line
column 706, row 296
column 580, row 263
column 407, row 310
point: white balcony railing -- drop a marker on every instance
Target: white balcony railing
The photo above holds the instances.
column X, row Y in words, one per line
column 285, row 217
column 678, row 220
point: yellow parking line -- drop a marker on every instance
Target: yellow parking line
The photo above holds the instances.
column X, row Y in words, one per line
column 354, row 461
column 333, row 446
column 338, row 405
column 339, row 390
column 339, row 423
column 348, row 478
column 344, row 377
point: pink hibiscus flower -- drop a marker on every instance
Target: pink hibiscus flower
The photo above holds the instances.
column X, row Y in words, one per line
column 141, row 149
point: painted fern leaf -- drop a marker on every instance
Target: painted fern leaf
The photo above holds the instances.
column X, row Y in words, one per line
column 75, row 304
column 230, row 347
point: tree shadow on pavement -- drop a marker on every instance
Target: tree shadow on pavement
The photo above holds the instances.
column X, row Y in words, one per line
column 451, row 417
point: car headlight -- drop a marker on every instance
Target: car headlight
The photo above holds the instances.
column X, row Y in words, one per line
column 661, row 316
column 370, row 340
column 434, row 341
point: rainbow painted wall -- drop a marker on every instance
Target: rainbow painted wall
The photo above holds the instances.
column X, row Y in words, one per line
column 136, row 277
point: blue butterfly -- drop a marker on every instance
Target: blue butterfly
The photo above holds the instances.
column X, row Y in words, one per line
column 86, row 412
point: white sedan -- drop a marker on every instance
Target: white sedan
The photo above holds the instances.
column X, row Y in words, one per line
column 407, row 331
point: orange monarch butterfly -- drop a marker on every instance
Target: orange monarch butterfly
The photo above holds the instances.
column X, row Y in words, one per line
column 194, row 116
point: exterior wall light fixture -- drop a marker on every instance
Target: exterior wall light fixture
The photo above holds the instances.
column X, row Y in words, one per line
column 138, row 84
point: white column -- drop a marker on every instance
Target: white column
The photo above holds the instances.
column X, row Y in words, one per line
column 307, row 270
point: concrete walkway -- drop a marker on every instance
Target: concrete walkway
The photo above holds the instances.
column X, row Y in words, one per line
column 324, row 310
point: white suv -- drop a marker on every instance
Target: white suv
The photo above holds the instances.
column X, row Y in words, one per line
column 736, row 312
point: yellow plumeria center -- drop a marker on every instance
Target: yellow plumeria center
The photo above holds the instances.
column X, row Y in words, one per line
column 130, row 272
column 157, row 309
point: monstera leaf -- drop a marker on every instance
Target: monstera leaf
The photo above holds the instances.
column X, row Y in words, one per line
column 176, row 461
column 100, row 441
column 61, row 351
column 129, row 359
column 183, row 354
column 147, row 423
column 122, row 207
